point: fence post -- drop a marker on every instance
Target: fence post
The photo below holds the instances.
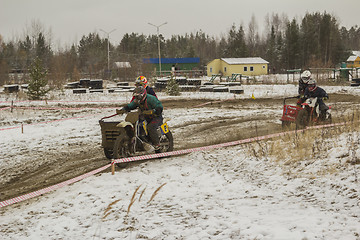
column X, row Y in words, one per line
column 113, row 167
column 12, row 105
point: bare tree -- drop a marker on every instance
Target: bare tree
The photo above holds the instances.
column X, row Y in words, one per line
column 253, row 38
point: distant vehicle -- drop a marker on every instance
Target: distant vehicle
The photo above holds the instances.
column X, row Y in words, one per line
column 306, row 114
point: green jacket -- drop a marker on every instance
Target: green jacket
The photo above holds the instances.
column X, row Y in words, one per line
column 150, row 103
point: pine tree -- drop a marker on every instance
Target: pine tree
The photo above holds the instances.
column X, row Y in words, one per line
column 172, row 87
column 38, row 82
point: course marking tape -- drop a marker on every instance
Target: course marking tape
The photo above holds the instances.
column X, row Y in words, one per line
column 156, row 155
column 221, row 145
column 62, row 108
column 219, row 101
column 59, row 101
column 50, row 121
column 51, row 188
column 4, row 108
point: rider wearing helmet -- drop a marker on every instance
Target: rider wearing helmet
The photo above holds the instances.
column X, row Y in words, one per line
column 313, row 91
column 142, row 81
column 303, row 84
column 151, row 108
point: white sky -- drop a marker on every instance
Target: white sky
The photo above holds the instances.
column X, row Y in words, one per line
column 69, row 20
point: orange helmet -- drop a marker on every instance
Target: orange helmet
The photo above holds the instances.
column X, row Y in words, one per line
column 141, row 81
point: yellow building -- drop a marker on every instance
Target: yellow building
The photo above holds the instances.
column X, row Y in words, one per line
column 353, row 62
column 253, row 66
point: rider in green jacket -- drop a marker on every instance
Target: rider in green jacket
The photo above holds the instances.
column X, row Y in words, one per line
column 151, row 108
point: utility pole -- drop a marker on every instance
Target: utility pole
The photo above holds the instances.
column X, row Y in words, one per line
column 108, row 50
column 157, row 28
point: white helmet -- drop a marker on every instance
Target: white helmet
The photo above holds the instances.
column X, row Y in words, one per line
column 305, row 76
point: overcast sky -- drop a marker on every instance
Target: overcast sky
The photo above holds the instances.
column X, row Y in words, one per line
column 69, row 20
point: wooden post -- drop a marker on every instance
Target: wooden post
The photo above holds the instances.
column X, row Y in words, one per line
column 22, row 128
column 112, row 168
column 12, row 105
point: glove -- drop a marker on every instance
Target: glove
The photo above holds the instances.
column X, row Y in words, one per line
column 148, row 112
column 120, row 111
column 325, row 98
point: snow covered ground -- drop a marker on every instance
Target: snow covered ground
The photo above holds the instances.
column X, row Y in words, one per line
column 224, row 193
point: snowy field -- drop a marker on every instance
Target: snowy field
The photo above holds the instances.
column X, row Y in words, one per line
column 224, row 193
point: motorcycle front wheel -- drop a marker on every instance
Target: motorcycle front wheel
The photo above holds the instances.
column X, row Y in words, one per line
column 166, row 142
column 285, row 124
column 121, row 148
column 328, row 119
column 108, row 153
column 302, row 119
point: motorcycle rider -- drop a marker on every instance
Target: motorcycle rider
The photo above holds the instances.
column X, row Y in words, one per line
column 142, row 81
column 151, row 108
column 303, row 84
column 313, row 91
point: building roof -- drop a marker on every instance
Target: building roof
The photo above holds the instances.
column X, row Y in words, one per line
column 250, row 60
column 356, row 53
column 171, row 60
column 122, row 64
column 351, row 58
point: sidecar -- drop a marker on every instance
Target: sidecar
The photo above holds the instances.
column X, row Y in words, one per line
column 109, row 133
column 290, row 112
column 125, row 138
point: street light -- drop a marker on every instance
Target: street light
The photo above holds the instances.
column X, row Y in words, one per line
column 108, row 47
column 157, row 27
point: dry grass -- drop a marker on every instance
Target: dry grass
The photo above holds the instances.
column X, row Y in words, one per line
column 156, row 192
column 108, row 210
column 133, row 199
column 141, row 194
column 292, row 149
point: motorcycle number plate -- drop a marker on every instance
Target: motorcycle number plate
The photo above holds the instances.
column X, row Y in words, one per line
column 144, row 127
column 164, row 128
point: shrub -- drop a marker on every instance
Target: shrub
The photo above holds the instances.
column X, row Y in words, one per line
column 38, row 82
column 172, row 87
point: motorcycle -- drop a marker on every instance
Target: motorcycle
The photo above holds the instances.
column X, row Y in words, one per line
column 130, row 137
column 310, row 114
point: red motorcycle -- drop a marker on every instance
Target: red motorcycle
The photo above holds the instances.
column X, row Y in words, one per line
column 308, row 113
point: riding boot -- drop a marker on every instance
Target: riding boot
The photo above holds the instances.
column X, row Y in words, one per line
column 322, row 115
column 157, row 148
column 153, row 133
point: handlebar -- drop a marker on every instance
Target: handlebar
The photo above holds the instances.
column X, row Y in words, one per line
column 109, row 116
column 290, row 98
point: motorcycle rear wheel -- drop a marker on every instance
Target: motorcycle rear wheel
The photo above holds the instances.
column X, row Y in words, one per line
column 121, row 149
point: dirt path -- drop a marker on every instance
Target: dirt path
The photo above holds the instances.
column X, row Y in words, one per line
column 83, row 159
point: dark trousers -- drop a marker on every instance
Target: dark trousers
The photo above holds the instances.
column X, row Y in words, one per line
column 152, row 129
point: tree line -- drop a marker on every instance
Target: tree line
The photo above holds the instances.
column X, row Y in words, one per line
column 315, row 40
